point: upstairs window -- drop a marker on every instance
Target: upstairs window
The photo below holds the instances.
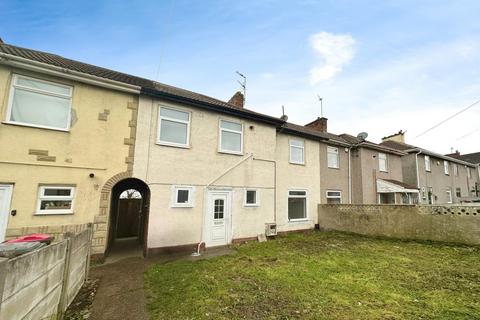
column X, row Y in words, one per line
column 297, row 205
column 333, row 158
column 231, row 137
column 55, row 200
column 174, row 127
column 382, row 162
column 334, row 197
column 469, row 173
column 446, row 167
column 427, row 164
column 455, row 170
column 297, row 151
column 39, row 103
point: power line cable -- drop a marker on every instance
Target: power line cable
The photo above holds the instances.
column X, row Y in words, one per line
column 452, row 116
column 167, row 29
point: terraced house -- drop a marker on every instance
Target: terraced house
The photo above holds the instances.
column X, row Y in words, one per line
column 440, row 179
column 164, row 167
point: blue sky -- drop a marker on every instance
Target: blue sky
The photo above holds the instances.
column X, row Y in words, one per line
column 380, row 66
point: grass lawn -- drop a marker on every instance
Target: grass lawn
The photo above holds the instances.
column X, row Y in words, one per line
column 321, row 275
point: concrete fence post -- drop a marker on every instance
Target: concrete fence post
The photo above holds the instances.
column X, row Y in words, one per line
column 89, row 250
column 3, row 276
column 66, row 272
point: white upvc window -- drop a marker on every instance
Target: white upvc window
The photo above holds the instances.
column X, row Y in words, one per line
column 39, row 103
column 469, row 173
column 55, row 200
column 427, row 164
column 333, row 157
column 173, row 127
column 297, row 205
column 424, row 193
column 449, row 195
column 382, row 162
column 183, row 196
column 231, row 137
column 455, row 170
column 297, row 151
column 334, row 196
column 251, row 198
column 446, row 167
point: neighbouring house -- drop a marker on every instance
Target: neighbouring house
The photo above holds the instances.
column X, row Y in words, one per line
column 471, row 158
column 440, row 179
column 66, row 129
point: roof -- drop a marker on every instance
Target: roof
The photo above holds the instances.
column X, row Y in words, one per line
column 408, row 148
column 149, row 87
column 368, row 144
column 401, row 184
column 471, row 157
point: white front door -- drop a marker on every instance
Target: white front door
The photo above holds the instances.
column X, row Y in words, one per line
column 218, row 219
column 5, row 198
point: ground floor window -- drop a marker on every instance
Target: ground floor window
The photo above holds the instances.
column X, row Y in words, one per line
column 182, row 196
column 55, row 200
column 297, row 205
column 334, row 197
column 386, row 198
column 449, row 195
column 251, row 198
column 459, row 192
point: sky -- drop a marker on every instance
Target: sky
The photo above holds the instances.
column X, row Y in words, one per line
column 379, row 66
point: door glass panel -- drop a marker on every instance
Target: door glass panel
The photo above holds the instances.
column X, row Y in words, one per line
column 218, row 209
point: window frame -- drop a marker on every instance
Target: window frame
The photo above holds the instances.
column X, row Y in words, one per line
column 257, row 198
column 446, row 167
column 333, row 197
column 380, row 154
column 191, row 197
column 14, row 85
column 159, row 124
column 458, row 192
column 455, row 169
column 42, row 197
column 469, row 173
column 290, row 146
column 298, row 196
column 337, row 153
column 220, row 130
column 428, row 161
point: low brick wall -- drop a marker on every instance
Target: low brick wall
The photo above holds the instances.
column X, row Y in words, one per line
column 460, row 224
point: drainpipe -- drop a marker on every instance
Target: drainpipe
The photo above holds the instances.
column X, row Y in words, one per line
column 416, row 165
column 350, row 175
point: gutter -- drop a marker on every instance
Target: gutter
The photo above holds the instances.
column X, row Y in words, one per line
column 45, row 68
column 210, row 106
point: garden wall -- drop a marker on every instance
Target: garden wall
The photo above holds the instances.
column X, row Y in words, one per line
column 460, row 224
column 42, row 283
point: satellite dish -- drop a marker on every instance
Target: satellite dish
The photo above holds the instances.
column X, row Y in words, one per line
column 362, row 136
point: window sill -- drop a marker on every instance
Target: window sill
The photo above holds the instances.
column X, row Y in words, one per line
column 182, row 206
column 231, row 152
column 53, row 213
column 174, row 145
column 336, row 168
column 299, row 220
column 297, row 163
column 251, row 205
column 20, row 124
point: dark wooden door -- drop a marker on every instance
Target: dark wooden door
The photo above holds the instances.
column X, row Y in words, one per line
column 129, row 218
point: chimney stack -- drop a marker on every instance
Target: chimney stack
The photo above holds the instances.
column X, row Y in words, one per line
column 237, row 100
column 397, row 137
column 320, row 124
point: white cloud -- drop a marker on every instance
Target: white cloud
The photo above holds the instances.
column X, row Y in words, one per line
column 335, row 50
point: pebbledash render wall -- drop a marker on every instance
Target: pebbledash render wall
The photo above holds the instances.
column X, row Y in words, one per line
column 100, row 141
column 460, row 224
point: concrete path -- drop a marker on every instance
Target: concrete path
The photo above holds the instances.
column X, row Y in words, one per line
column 120, row 294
